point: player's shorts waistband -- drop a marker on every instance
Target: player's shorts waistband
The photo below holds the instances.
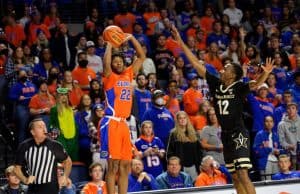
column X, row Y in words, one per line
column 119, row 119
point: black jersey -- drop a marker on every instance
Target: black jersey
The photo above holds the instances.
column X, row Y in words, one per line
column 228, row 102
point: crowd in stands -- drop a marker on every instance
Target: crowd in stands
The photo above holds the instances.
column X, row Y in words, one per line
column 49, row 72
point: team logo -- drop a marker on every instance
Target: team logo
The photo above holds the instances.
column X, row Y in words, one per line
column 103, row 154
column 240, row 141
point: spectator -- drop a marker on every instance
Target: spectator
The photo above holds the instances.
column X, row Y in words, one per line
column 266, row 149
column 280, row 111
column 284, row 169
column 21, row 93
column 193, row 27
column 46, row 62
column 258, row 37
column 161, row 117
column 64, row 49
column 54, row 80
column 183, row 19
column 100, row 47
column 295, row 88
column 212, row 56
column 275, row 47
column 14, row 32
column 124, row 19
column 163, row 59
column 13, row 183
column 82, row 119
column 192, row 97
column 174, row 178
column 52, row 16
column 174, row 97
column 96, row 185
column 207, row 20
column 280, row 71
column 148, row 65
column 235, row 15
column 218, row 36
column 152, row 82
column 289, row 132
column 41, row 103
column 151, row 17
column 200, row 120
column 96, row 92
column 140, row 180
column 75, row 92
column 97, row 115
column 83, row 74
column 210, row 175
column 151, row 149
column 274, row 95
column 184, row 144
column 210, row 138
column 43, row 173
column 40, row 43
column 63, row 122
column 260, row 107
column 141, row 97
column 139, row 34
column 94, row 61
column 35, row 24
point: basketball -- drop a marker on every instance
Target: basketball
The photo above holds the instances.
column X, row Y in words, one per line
column 114, row 35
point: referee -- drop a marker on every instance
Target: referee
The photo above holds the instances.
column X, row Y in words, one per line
column 38, row 157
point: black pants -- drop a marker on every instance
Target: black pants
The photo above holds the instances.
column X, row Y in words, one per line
column 48, row 188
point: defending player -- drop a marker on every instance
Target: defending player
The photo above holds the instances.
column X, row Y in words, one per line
column 115, row 136
column 228, row 94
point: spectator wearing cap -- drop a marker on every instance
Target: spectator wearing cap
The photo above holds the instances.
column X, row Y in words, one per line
column 13, row 183
column 83, row 74
column 192, row 97
column 97, row 115
column 21, row 93
column 260, row 108
column 64, row 47
column 33, row 27
column 95, row 62
column 289, row 132
column 295, row 87
column 160, row 116
column 62, row 120
column 14, row 32
column 124, row 19
column 41, row 103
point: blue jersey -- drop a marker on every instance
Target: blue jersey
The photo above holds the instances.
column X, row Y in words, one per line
column 290, row 175
column 142, row 100
column 162, row 120
column 282, row 78
column 152, row 163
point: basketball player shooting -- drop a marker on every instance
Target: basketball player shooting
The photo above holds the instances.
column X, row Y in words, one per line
column 228, row 94
column 114, row 132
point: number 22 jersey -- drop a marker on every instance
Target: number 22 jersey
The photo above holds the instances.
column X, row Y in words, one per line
column 118, row 90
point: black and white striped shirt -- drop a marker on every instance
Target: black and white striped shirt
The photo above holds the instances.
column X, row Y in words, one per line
column 41, row 160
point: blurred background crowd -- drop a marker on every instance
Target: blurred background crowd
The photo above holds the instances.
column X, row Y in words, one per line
column 41, row 74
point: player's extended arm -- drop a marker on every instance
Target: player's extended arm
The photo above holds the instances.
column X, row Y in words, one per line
column 199, row 66
column 268, row 67
column 107, row 60
column 137, row 63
